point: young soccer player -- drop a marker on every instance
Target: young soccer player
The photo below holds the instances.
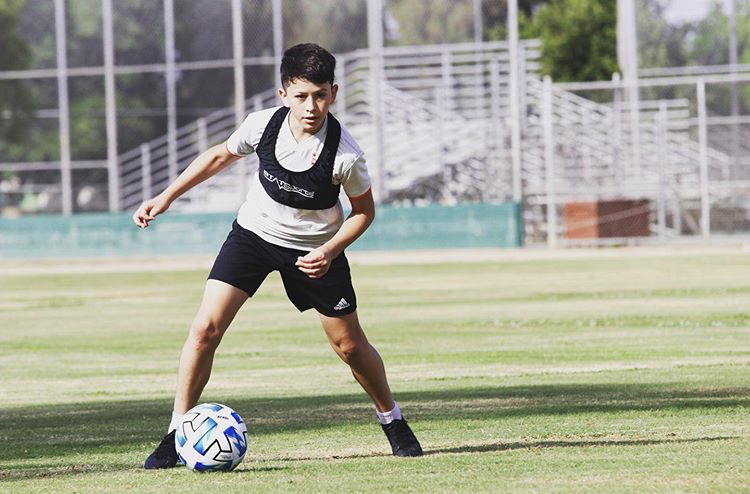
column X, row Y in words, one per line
column 291, row 222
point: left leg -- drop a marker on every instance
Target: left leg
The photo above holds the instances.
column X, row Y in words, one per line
column 350, row 343
column 331, row 295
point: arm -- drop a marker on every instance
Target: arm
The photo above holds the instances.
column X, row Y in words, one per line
column 316, row 263
column 208, row 163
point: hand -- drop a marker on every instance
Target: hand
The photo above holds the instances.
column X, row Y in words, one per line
column 149, row 210
column 315, row 263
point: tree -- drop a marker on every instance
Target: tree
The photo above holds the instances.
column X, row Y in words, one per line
column 338, row 25
column 660, row 44
column 710, row 46
column 16, row 101
column 579, row 38
column 494, row 15
column 419, row 22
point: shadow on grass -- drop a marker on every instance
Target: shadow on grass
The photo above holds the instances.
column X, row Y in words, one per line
column 490, row 447
column 41, row 472
column 122, row 427
column 510, row 446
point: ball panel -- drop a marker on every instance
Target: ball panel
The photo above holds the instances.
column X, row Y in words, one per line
column 203, row 437
column 238, row 439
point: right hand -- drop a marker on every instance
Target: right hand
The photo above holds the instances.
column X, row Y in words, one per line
column 149, row 210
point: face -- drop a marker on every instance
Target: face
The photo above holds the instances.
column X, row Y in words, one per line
column 308, row 103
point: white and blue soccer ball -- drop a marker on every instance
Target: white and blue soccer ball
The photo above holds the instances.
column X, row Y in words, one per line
column 211, row 437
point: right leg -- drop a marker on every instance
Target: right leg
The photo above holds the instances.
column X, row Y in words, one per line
column 220, row 304
column 240, row 263
column 221, row 301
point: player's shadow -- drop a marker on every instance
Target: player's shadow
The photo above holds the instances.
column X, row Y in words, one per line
column 44, row 435
column 517, row 445
column 41, row 471
column 531, row 445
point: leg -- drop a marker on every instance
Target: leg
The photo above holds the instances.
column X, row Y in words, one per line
column 220, row 304
column 221, row 301
column 350, row 343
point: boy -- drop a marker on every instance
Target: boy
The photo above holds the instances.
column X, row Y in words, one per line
column 292, row 222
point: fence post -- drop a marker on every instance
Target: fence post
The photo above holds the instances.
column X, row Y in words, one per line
column 238, row 62
column 662, row 150
column 734, row 98
column 446, row 82
column 341, row 96
column 202, row 135
column 617, row 128
column 523, row 83
column 377, row 76
column 549, row 162
column 113, row 177
column 478, row 22
column 515, row 99
column 440, row 135
column 703, row 160
column 170, row 58
column 498, row 123
column 145, row 172
column 586, row 150
column 63, row 102
column 635, row 127
column 278, row 37
column 676, row 214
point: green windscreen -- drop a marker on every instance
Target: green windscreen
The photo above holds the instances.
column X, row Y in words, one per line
column 114, row 234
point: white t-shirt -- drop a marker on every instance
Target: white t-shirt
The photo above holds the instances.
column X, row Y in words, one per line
column 276, row 223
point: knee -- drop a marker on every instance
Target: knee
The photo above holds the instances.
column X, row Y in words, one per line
column 205, row 333
column 350, row 349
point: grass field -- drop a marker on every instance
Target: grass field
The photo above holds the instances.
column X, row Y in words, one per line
column 582, row 375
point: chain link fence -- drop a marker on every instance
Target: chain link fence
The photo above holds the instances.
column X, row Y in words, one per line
column 173, row 62
column 667, row 160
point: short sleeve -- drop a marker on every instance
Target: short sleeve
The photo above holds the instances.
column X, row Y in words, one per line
column 246, row 137
column 355, row 179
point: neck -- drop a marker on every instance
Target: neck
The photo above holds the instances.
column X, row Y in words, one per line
column 298, row 130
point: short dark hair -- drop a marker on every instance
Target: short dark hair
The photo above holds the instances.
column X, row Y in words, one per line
column 307, row 61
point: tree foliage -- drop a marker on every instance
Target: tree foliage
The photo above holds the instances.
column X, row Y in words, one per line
column 494, row 16
column 339, row 25
column 420, row 22
column 579, row 43
column 579, row 38
column 15, row 99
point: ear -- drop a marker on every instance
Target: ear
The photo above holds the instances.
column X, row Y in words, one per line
column 283, row 96
column 334, row 92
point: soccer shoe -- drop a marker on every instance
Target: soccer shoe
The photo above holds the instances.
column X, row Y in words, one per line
column 402, row 439
column 165, row 454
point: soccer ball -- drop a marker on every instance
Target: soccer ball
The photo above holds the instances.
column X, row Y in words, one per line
column 211, row 437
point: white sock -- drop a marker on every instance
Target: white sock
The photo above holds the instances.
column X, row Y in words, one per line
column 176, row 419
column 387, row 417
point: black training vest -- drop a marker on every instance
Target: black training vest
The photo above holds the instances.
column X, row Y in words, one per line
column 308, row 189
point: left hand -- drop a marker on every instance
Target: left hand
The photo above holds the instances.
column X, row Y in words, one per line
column 315, row 263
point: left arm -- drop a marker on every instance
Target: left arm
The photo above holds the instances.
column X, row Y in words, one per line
column 315, row 263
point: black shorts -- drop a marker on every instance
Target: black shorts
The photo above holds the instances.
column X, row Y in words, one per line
column 245, row 260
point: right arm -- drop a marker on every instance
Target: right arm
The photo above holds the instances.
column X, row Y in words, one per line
column 208, row 163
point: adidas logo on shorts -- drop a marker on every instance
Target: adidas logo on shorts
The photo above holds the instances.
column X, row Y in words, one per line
column 343, row 304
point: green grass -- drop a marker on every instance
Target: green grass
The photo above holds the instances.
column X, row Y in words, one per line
column 597, row 375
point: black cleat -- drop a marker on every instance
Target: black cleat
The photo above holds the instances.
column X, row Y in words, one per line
column 165, row 454
column 402, row 439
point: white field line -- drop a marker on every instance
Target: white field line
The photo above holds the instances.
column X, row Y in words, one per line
column 426, row 256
